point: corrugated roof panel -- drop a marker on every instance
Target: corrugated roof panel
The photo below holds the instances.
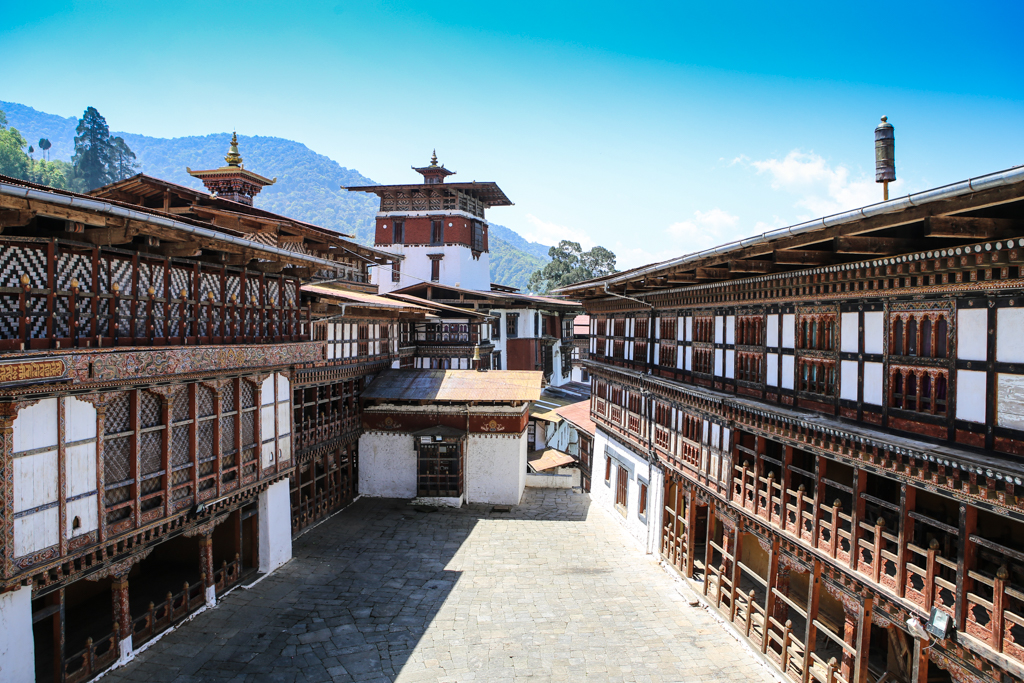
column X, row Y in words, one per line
column 497, row 386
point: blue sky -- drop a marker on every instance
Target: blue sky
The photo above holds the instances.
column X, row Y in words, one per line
column 651, row 129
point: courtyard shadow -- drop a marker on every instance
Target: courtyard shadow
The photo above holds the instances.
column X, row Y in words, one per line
column 357, row 597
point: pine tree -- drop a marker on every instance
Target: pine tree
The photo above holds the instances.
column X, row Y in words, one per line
column 124, row 165
column 93, row 160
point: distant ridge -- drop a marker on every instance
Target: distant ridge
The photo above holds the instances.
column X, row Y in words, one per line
column 307, row 185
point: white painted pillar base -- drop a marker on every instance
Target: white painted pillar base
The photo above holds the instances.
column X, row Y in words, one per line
column 275, row 527
column 127, row 654
column 17, row 649
column 211, row 596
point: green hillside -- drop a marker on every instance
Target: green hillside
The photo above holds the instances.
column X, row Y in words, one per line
column 308, row 184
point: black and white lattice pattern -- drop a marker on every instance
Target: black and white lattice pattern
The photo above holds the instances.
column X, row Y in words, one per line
column 151, row 275
column 173, row 319
column 151, row 452
column 204, row 401
column 18, row 261
column 37, row 315
column 272, row 292
column 181, row 448
column 118, row 415
column 179, row 404
column 248, row 428
column 181, row 279
column 121, row 273
column 116, row 460
column 252, row 292
column 217, row 330
column 209, row 283
column 9, row 316
column 227, row 434
column 204, row 317
column 227, row 398
column 124, row 317
column 118, row 495
column 234, row 286
column 289, row 293
column 204, row 435
column 103, row 324
column 74, row 267
column 248, row 394
column 149, row 410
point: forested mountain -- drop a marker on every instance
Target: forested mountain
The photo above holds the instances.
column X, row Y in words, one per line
column 307, row 188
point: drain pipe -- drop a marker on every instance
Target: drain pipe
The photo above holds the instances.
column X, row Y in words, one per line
column 627, row 298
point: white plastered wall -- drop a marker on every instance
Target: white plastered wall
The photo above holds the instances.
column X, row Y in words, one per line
column 495, row 468
column 387, row 465
column 275, row 523
column 645, row 530
column 458, row 268
column 17, row 648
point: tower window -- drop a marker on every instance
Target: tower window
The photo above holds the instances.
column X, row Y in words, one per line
column 435, row 270
column 437, row 232
column 478, row 236
column 396, row 271
column 399, row 236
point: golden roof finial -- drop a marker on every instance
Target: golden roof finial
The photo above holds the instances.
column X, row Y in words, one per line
column 433, row 158
column 233, row 157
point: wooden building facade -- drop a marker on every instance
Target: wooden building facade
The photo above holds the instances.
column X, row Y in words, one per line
column 174, row 406
column 834, row 409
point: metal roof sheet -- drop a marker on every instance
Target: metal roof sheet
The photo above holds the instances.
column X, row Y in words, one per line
column 579, row 415
column 495, row 386
column 370, row 300
column 548, row 458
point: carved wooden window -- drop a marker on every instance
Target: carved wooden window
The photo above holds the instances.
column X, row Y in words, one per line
column 748, row 366
column 478, row 236
column 640, row 351
column 616, row 396
column 396, row 271
column 635, row 402
column 663, row 422
column 152, row 431
column 703, row 361
column 602, row 327
column 511, row 325
column 642, row 504
column 118, row 458
column 817, row 376
column 817, row 331
column 228, row 433
column 364, row 339
column 607, row 468
column 919, row 333
column 621, row 484
column 206, row 452
column 640, row 326
column 619, row 325
column 704, row 328
column 181, row 444
column 436, row 232
column 399, row 234
column 435, row 270
column 667, row 355
column 749, row 330
column 922, row 390
column 668, row 328
column 248, row 407
column 618, row 348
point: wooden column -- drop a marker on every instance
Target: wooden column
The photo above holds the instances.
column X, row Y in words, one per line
column 860, row 671
column 860, row 482
column 769, row 605
column 737, row 548
column 709, row 552
column 810, row 632
column 919, row 666
column 122, row 613
column 206, row 558
column 691, row 531
column 965, row 561
column 908, row 498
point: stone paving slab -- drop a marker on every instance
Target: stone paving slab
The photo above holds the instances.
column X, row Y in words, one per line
column 551, row 591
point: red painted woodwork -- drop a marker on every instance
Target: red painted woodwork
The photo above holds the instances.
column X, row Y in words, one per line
column 417, row 230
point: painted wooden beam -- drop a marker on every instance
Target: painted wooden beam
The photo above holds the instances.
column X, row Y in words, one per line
column 801, row 257
column 712, row 273
column 751, row 266
column 874, row 245
column 964, row 227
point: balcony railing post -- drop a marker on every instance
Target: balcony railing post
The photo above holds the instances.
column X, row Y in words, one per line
column 929, row 579
column 998, row 601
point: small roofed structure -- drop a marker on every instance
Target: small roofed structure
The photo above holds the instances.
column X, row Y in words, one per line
column 232, row 181
column 481, row 418
column 433, row 174
column 549, row 459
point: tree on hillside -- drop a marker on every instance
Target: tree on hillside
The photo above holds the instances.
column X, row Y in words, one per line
column 45, row 145
column 570, row 264
column 123, row 159
column 13, row 160
column 93, row 159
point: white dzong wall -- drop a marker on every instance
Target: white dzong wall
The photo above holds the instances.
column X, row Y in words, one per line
column 644, row 528
column 387, row 465
column 17, row 649
column 275, row 522
column 458, row 268
column 495, row 468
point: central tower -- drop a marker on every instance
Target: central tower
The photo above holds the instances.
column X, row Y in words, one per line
column 439, row 228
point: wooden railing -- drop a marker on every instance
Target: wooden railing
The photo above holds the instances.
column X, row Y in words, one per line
column 175, row 607
column 99, row 297
column 228, row 574
column 97, row 656
column 311, row 432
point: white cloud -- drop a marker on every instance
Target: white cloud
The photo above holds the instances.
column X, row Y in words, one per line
column 551, row 234
column 821, row 188
column 707, row 229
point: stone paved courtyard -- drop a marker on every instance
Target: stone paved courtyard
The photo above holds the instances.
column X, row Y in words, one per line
column 552, row 591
